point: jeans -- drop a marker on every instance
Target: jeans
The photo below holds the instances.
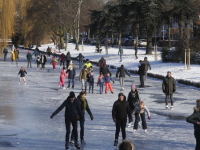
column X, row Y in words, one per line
column 137, row 119
column 120, row 57
column 84, row 84
column 29, row 64
column 171, row 98
column 81, row 130
column 121, row 80
column 197, row 136
column 62, row 63
column 80, row 64
column 101, row 87
column 43, row 65
column 16, row 60
column 91, row 85
column 68, row 61
column 5, row 57
column 120, row 124
column 69, row 80
column 145, row 75
column 142, row 80
column 74, row 125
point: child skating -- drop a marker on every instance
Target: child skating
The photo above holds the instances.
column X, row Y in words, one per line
column 22, row 72
column 100, row 82
column 38, row 61
column 91, row 79
column 108, row 80
column 62, row 78
column 139, row 111
column 53, row 62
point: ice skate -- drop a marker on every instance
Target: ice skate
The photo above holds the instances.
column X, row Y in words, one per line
column 67, row 146
column 24, row 83
column 171, row 107
column 166, row 106
column 129, row 125
column 134, row 130
column 116, row 142
column 59, row 86
column 145, row 130
column 72, row 86
column 68, row 87
column 83, row 142
column 72, row 142
column 77, row 145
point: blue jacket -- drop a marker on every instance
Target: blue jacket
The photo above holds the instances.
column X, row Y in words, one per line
column 71, row 109
column 108, row 79
column 91, row 78
column 71, row 73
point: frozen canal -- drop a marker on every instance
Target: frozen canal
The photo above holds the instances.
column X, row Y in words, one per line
column 25, row 111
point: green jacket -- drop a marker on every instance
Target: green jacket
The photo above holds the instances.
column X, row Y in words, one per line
column 120, row 51
column 68, row 57
column 5, row 51
column 169, row 85
column 194, row 118
column 29, row 56
column 16, row 54
column 83, row 74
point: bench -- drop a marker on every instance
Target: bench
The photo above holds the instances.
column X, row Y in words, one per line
column 97, row 50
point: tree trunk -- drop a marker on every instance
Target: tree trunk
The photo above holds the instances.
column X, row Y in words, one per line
column 120, row 38
column 149, row 41
column 112, row 39
column 169, row 38
column 89, row 33
column 180, row 25
column 106, row 43
column 66, row 38
column 78, row 26
column 62, row 42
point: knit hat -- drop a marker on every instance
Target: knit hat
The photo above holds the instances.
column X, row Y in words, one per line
column 198, row 103
column 28, row 51
column 133, row 86
column 85, row 66
column 87, row 59
column 71, row 94
column 53, row 57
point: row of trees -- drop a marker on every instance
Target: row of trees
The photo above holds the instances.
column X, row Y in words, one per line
column 142, row 17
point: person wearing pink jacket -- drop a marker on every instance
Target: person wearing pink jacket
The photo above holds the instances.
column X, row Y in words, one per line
column 62, row 78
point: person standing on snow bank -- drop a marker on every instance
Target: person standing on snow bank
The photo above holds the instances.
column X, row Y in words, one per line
column 71, row 74
column 29, row 58
column 72, row 109
column 100, row 82
column 120, row 52
column 12, row 57
column 169, row 87
column 108, row 80
column 22, row 72
column 139, row 111
column 122, row 72
column 84, row 107
column 5, row 52
column 83, row 77
column 141, row 73
column 195, row 119
column 147, row 65
column 62, row 78
column 120, row 111
column 126, row 145
column 53, row 62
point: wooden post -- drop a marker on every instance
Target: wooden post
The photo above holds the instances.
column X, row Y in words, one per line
column 189, row 59
column 185, row 59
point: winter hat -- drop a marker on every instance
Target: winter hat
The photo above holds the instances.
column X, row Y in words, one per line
column 122, row 65
column 126, row 145
column 71, row 94
column 87, row 59
column 133, row 86
column 28, row 51
column 120, row 94
column 53, row 57
column 198, row 103
column 85, row 66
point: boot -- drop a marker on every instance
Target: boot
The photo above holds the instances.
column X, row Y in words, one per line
column 72, row 86
column 92, row 90
column 77, row 145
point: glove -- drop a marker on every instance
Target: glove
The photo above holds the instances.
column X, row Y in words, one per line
column 114, row 119
column 149, row 118
column 51, row 116
column 130, row 120
column 113, row 81
column 91, row 117
column 97, row 84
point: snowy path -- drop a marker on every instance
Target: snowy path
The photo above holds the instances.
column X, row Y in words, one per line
column 25, row 111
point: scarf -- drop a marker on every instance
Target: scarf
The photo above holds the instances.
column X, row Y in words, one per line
column 84, row 104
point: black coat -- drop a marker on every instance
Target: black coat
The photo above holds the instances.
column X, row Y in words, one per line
column 45, row 59
column 22, row 73
column 71, row 109
column 122, row 72
column 87, row 107
column 194, row 118
column 105, row 70
column 80, row 57
column 71, row 73
column 133, row 99
column 169, row 85
column 121, row 109
column 141, row 69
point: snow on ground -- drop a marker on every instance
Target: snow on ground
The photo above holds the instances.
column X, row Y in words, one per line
column 25, row 111
column 129, row 61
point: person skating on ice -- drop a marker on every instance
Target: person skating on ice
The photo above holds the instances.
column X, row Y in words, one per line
column 71, row 74
column 108, row 80
column 120, row 111
column 72, row 110
column 141, row 72
column 91, row 79
column 29, row 59
column 62, row 60
column 139, row 111
column 68, row 59
column 169, row 87
column 88, row 64
column 16, row 51
column 80, row 59
column 195, row 119
column 38, row 61
column 83, row 78
column 5, row 52
column 100, row 82
column 53, row 62
column 22, row 73
column 62, row 78
column 133, row 98
column 12, row 57
column 84, row 107
column 43, row 59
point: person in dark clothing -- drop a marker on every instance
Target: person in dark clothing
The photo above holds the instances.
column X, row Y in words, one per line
column 5, row 52
column 120, row 111
column 22, row 72
column 84, row 106
column 43, row 60
column 62, row 60
column 101, row 63
column 38, row 61
column 80, row 59
column 169, row 87
column 72, row 109
column 147, row 66
column 136, row 47
column 91, row 79
column 68, row 59
column 126, row 145
column 16, row 51
column 121, row 71
column 29, row 58
column 195, row 119
column 71, row 74
column 105, row 70
column 49, row 51
column 141, row 73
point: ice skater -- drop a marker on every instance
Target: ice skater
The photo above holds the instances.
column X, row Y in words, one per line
column 80, row 59
column 72, row 109
column 29, row 59
column 12, row 57
column 38, row 61
column 68, row 59
column 22, row 72
column 91, row 79
column 62, row 60
column 100, row 82
column 120, row 52
column 141, row 72
column 120, row 111
column 71, row 74
column 139, row 111
column 5, row 52
column 84, row 107
column 83, row 77
column 43, row 59
column 108, row 80
column 53, row 62
column 62, row 78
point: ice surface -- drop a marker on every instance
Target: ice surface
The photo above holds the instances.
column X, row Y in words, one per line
column 25, row 111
